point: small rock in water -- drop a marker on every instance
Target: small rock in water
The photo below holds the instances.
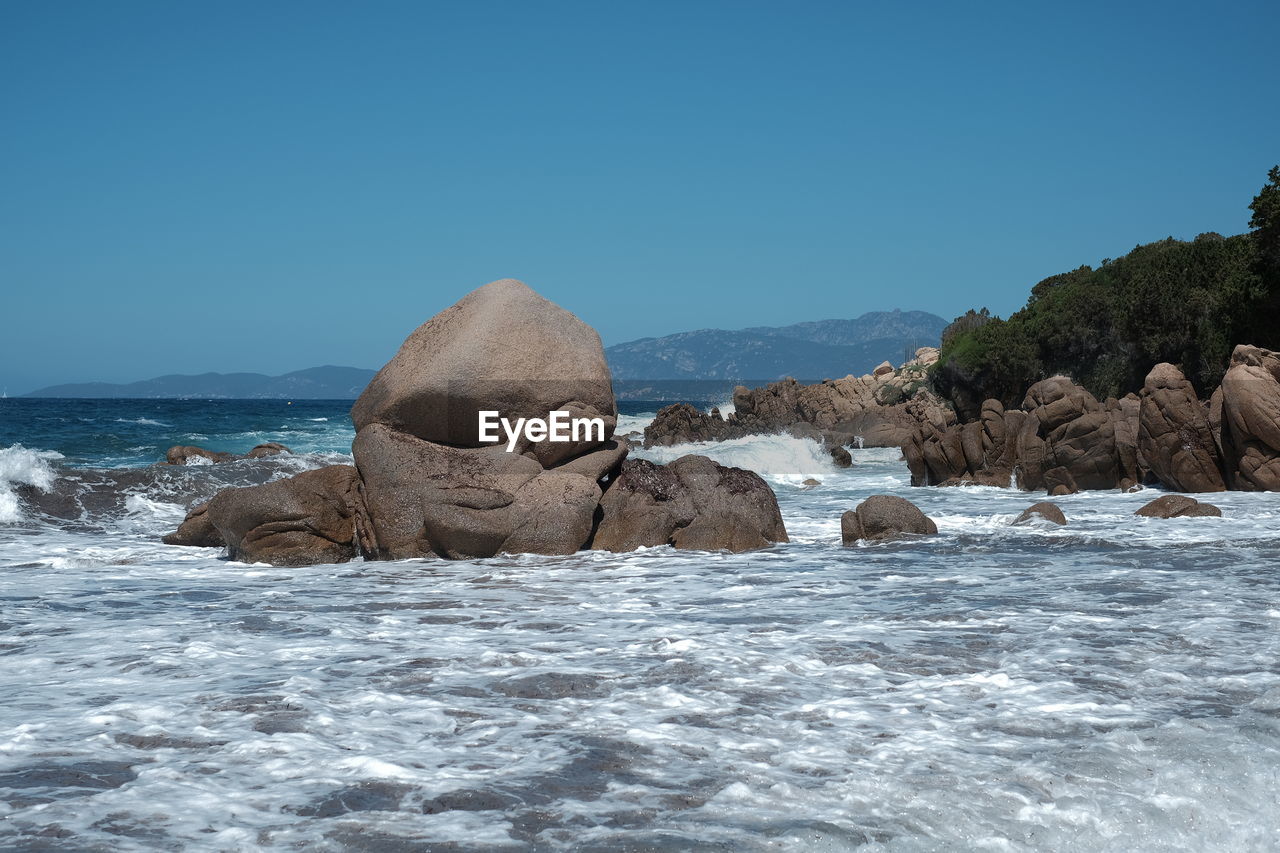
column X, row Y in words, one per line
column 882, row 517
column 1178, row 506
column 1045, row 510
column 811, row 483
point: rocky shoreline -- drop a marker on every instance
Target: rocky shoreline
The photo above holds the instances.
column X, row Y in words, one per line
column 1061, row 440
column 425, row 484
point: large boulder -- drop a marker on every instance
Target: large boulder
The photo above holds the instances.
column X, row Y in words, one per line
column 298, row 521
column 431, row 486
column 426, row 499
column 693, row 503
column 882, row 517
column 1174, row 436
column 1251, row 418
column 1073, row 446
column 500, row 348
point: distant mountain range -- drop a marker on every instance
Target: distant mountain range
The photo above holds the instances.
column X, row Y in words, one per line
column 811, row 351
column 314, row 383
column 701, row 363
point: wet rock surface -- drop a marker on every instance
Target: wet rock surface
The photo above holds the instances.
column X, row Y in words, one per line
column 301, row 520
column 1044, row 510
column 692, row 502
column 883, row 517
column 1178, row 506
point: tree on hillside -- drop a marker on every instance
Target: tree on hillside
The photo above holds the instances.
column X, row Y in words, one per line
column 1266, row 221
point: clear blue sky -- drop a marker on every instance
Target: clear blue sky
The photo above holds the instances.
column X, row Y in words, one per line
column 268, row 186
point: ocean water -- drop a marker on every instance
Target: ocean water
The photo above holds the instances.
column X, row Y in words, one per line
column 1110, row 685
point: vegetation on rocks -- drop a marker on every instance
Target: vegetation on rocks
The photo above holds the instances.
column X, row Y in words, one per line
column 1184, row 302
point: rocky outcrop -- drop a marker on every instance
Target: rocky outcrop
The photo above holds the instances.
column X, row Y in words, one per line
column 196, row 530
column 873, row 410
column 1177, row 506
column 882, row 517
column 691, row 503
column 1043, row 511
column 431, row 487
column 1174, row 436
column 428, row 483
column 189, row 454
column 298, row 521
column 1250, row 419
column 982, row 452
column 1069, row 443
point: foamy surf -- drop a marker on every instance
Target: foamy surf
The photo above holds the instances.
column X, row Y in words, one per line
column 1103, row 686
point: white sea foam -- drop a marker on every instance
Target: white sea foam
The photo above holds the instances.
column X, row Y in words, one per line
column 1108, row 685
column 782, row 458
column 22, row 466
column 634, row 423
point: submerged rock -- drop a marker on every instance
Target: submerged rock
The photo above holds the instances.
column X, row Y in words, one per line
column 1177, row 506
column 882, row 517
column 189, row 454
column 693, row 503
column 1045, row 510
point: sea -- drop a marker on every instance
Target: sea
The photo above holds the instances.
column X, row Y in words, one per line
column 1110, row 685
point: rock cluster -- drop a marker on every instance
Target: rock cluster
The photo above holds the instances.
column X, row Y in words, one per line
column 875, row 408
column 424, row 484
column 189, row 454
column 1060, row 440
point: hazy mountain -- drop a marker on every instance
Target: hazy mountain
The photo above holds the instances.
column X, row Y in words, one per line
column 812, row 351
column 705, row 362
column 314, row 383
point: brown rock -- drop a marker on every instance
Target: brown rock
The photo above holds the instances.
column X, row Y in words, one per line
column 1174, row 435
column 1251, row 418
column 692, row 502
column 1177, row 506
column 882, row 517
column 184, row 454
column 426, row 499
column 271, row 448
column 1043, row 510
column 1078, row 437
column 196, row 530
column 500, row 348
column 298, row 521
